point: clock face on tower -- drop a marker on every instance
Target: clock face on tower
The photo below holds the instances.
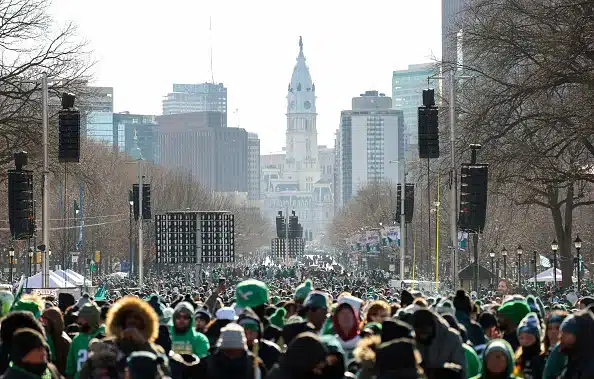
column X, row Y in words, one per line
column 307, row 105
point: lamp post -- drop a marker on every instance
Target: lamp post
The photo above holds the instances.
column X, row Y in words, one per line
column 519, row 251
column 130, row 259
column 492, row 256
column 11, row 259
column 555, row 247
column 535, row 253
column 504, row 254
column 578, row 245
column 30, row 261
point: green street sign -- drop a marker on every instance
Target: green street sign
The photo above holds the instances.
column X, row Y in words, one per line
column 93, row 267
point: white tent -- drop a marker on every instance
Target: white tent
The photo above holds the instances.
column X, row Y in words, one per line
column 75, row 274
column 72, row 277
column 54, row 281
column 118, row 274
column 547, row 276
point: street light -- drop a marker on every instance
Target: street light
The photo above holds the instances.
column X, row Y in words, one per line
column 555, row 247
column 504, row 254
column 578, row 245
column 519, row 251
column 535, row 269
column 11, row 256
column 492, row 256
column 130, row 260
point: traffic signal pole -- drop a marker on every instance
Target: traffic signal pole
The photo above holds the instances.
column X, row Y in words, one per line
column 454, row 178
column 402, row 215
column 140, row 222
column 45, row 186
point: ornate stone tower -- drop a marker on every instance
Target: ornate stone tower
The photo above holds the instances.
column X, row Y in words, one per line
column 302, row 162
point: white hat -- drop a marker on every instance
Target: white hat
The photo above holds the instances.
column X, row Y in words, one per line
column 226, row 313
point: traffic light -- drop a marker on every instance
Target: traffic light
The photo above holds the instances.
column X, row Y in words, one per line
column 21, row 210
column 473, row 197
column 281, row 231
column 69, row 139
column 146, row 201
column 409, row 203
column 428, row 127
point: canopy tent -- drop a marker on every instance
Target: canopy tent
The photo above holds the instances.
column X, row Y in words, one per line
column 547, row 276
column 54, row 281
column 75, row 274
column 72, row 277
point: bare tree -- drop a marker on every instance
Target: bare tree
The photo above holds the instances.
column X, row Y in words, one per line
column 31, row 45
column 533, row 62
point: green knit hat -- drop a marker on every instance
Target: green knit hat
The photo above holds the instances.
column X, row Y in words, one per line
column 275, row 300
column 303, row 290
column 278, row 317
column 515, row 310
column 251, row 293
column 28, row 306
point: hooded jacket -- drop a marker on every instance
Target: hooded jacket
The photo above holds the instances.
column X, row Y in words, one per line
column 191, row 341
column 473, row 329
column 580, row 364
column 505, row 348
column 348, row 339
column 445, row 347
column 269, row 352
column 57, row 339
column 121, row 342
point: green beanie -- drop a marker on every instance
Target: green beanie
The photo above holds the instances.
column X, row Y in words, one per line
column 251, row 293
column 515, row 310
column 275, row 300
column 303, row 290
column 28, row 306
column 278, row 317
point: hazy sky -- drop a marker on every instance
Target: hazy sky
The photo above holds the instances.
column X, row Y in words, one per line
column 143, row 46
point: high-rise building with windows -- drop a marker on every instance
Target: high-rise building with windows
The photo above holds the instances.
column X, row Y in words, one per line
column 253, row 167
column 371, row 135
column 407, row 96
column 96, row 106
column 203, row 97
column 201, row 145
column 144, row 127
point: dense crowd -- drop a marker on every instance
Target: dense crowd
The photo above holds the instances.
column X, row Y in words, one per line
column 313, row 320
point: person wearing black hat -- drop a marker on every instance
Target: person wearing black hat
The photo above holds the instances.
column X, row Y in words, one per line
column 29, row 355
column 438, row 343
column 10, row 323
column 268, row 351
column 305, row 358
column 463, row 306
column 202, row 317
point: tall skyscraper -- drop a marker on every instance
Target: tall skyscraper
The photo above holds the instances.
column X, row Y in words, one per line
column 296, row 185
column 253, row 167
column 187, row 98
column 96, row 106
column 196, row 143
column 407, row 96
column 371, row 135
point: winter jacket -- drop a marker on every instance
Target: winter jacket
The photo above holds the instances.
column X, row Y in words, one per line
column 473, row 329
column 580, row 364
column 79, row 351
column 555, row 364
column 219, row 365
column 57, row 339
column 14, row 372
column 503, row 346
column 114, row 350
column 445, row 347
column 164, row 339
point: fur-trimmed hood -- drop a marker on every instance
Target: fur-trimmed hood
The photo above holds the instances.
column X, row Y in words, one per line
column 129, row 305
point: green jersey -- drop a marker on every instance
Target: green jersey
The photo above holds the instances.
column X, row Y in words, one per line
column 191, row 342
column 79, row 351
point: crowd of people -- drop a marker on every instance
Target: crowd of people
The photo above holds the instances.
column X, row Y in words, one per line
column 301, row 321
